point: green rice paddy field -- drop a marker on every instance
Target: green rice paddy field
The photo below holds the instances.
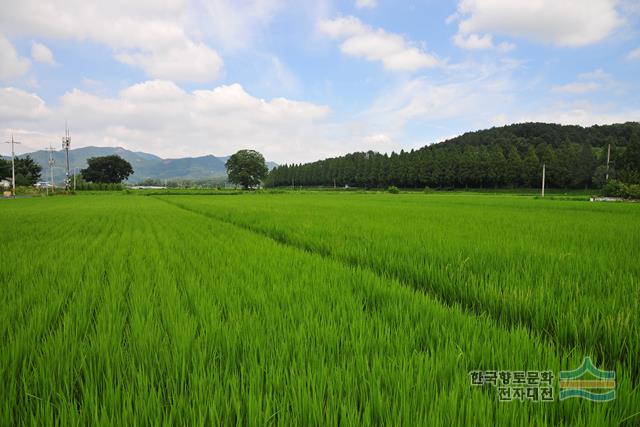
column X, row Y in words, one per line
column 312, row 308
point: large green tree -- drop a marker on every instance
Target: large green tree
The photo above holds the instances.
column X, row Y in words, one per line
column 246, row 168
column 27, row 170
column 5, row 168
column 107, row 169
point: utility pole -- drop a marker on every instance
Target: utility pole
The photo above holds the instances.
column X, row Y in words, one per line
column 66, row 142
column 51, row 163
column 13, row 164
column 543, row 173
column 608, row 157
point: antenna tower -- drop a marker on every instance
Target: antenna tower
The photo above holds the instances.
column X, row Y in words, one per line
column 66, row 142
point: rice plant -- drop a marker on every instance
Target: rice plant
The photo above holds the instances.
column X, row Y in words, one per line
column 124, row 310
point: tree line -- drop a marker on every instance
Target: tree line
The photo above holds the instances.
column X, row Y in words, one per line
column 504, row 157
column 104, row 170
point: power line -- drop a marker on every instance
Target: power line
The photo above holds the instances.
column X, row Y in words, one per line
column 52, row 162
column 13, row 164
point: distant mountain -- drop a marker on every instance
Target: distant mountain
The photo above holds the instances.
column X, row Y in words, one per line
column 145, row 165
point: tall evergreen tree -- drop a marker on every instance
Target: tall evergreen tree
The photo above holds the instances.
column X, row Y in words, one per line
column 564, row 166
column 585, row 166
column 549, row 161
column 513, row 168
column 629, row 168
column 531, row 168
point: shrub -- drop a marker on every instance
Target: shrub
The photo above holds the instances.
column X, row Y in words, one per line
column 393, row 189
column 615, row 188
column 633, row 191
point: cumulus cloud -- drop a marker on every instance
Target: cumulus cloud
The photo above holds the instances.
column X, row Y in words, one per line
column 363, row 41
column 146, row 34
column 41, row 53
column 564, row 23
column 19, row 106
column 12, row 65
column 159, row 117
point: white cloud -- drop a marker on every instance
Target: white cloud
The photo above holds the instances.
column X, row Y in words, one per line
column 275, row 77
column 362, row 41
column 592, row 81
column 148, row 34
column 191, row 62
column 12, row 65
column 236, row 23
column 578, row 87
column 19, row 106
column 41, row 53
column 470, row 96
column 634, row 55
column 366, row 4
column 379, row 142
column 426, row 100
column 477, row 42
column 473, row 41
column 563, row 23
column 159, row 117
column 583, row 114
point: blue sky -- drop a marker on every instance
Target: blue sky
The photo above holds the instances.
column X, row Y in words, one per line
column 300, row 81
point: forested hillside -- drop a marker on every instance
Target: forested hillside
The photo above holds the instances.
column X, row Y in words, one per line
column 509, row 156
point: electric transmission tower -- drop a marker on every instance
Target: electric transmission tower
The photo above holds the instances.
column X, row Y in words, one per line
column 66, row 142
